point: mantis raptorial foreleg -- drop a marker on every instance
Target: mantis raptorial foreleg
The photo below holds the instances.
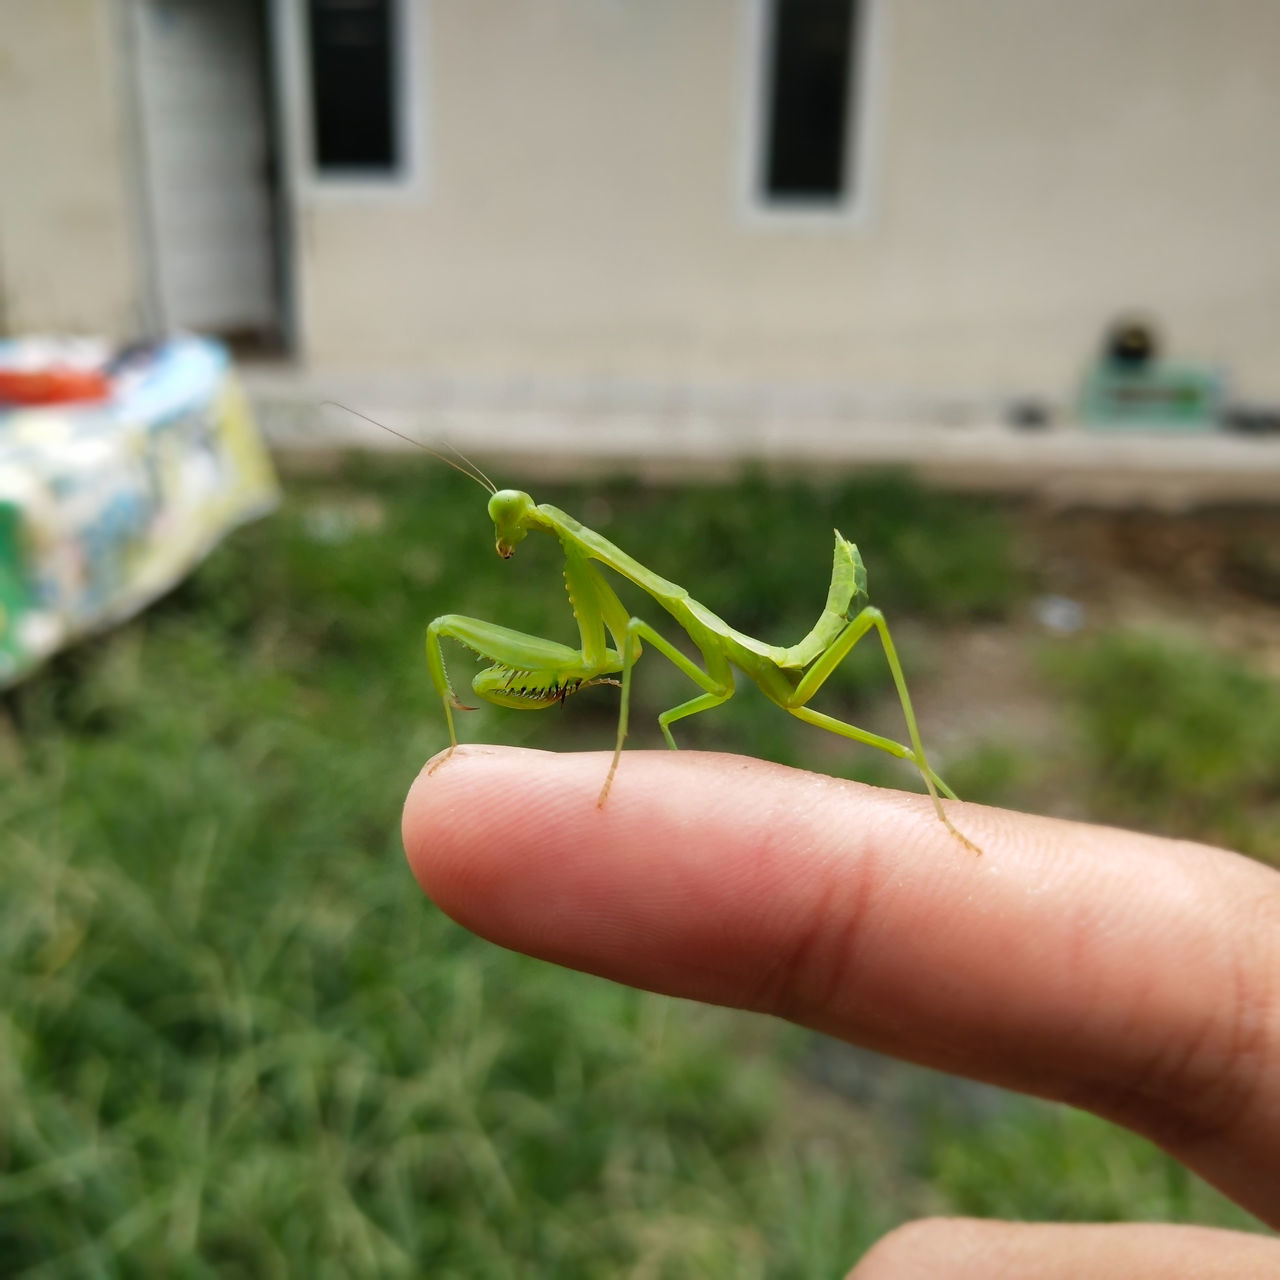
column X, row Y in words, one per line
column 528, row 671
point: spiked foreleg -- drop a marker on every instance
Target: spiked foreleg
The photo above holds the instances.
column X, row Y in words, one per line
column 529, row 672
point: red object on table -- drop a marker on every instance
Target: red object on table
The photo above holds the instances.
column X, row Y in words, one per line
column 54, row 385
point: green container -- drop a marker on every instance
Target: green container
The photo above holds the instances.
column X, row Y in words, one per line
column 1117, row 397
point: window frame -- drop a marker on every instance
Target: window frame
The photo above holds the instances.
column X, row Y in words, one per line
column 408, row 23
column 852, row 208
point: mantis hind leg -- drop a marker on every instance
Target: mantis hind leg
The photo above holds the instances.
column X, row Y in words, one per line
column 817, row 675
column 717, row 680
column 865, row 736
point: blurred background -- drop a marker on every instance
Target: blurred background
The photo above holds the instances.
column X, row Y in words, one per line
column 991, row 285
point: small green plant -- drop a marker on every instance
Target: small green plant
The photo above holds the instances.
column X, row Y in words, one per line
column 991, row 772
column 1040, row 1162
column 1180, row 738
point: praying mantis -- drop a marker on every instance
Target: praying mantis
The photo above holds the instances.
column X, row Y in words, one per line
column 529, row 673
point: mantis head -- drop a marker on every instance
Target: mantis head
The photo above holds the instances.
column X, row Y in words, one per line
column 509, row 509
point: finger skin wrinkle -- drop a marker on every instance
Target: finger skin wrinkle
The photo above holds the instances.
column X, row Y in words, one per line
column 851, row 891
column 1201, row 1080
column 1206, row 1082
column 821, row 961
column 1251, row 1040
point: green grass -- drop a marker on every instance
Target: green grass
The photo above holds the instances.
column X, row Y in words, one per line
column 236, row 1041
column 1053, row 1164
column 1179, row 738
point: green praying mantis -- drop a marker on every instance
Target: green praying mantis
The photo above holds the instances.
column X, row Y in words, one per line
column 529, row 672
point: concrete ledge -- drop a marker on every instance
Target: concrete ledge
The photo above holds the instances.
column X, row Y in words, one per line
column 659, row 434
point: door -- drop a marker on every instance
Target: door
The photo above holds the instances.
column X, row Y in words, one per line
column 209, row 175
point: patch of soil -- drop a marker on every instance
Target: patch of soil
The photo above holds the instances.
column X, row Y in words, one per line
column 1210, row 577
column 1214, row 574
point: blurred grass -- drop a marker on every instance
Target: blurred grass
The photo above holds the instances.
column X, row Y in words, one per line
column 234, row 1039
column 1179, row 738
column 1052, row 1164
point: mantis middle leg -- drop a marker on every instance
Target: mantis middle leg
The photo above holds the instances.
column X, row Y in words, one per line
column 717, row 680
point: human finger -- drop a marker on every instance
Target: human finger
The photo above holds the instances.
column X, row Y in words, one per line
column 1132, row 976
column 970, row 1249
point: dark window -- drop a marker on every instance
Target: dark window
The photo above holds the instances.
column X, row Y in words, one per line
column 353, row 85
column 809, row 81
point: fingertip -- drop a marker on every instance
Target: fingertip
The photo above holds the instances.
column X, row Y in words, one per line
column 452, row 787
column 696, row 863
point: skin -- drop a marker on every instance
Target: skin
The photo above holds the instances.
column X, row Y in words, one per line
column 1128, row 975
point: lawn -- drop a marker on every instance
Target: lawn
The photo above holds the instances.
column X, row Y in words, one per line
column 236, row 1041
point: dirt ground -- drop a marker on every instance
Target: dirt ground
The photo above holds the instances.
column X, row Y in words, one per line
column 1210, row 576
column 1214, row 574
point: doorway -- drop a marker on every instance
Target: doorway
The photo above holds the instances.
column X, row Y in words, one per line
column 211, row 171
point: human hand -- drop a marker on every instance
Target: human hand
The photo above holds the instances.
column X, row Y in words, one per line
column 1135, row 977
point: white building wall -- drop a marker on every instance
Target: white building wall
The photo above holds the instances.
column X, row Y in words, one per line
column 578, row 211
column 67, row 239
column 1039, row 167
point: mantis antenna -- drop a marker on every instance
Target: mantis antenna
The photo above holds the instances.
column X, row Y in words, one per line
column 471, row 471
